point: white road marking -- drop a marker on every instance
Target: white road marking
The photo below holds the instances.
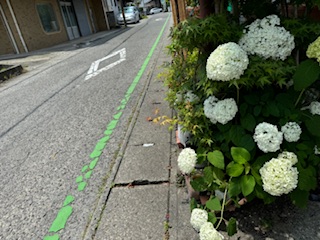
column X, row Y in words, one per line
column 93, row 70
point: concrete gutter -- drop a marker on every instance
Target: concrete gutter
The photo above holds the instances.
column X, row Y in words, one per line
column 8, row 71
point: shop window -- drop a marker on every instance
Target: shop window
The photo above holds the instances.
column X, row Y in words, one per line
column 47, row 17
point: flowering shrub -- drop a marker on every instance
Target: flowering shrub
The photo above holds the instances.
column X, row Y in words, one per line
column 267, row 39
column 253, row 123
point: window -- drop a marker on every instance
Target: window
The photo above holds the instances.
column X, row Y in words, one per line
column 48, row 18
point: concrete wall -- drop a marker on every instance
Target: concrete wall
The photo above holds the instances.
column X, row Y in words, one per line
column 5, row 44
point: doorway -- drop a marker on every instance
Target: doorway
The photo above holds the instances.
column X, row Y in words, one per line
column 69, row 17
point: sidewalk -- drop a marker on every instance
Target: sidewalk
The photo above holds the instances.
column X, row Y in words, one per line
column 141, row 200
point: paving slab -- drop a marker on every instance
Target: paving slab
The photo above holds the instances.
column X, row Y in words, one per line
column 144, row 163
column 134, row 213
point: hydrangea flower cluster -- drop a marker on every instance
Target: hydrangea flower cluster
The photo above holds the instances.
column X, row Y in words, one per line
column 220, row 111
column 190, row 97
column 289, row 156
column 227, row 62
column 198, row 218
column 267, row 39
column 279, row 176
column 316, row 150
column 291, row 131
column 267, row 137
column 313, row 50
column 208, row 232
column 315, row 108
column 187, row 160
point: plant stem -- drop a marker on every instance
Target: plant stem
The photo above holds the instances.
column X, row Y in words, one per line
column 300, row 95
column 223, row 205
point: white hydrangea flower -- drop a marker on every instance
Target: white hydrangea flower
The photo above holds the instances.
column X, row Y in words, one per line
column 292, row 157
column 208, row 232
column 208, row 106
column 198, row 218
column 267, row 39
column 225, row 110
column 315, row 108
column 187, row 160
column 316, row 150
column 291, row 131
column 267, row 137
column 279, row 176
column 227, row 62
column 190, row 97
column 220, row 111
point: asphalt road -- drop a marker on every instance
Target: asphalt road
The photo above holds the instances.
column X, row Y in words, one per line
column 51, row 123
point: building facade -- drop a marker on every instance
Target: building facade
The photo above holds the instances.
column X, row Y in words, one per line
column 28, row 25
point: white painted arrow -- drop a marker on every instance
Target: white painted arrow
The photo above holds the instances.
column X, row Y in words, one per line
column 94, row 71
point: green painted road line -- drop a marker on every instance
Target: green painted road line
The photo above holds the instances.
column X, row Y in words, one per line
column 65, row 212
column 54, row 237
column 61, row 219
column 69, row 199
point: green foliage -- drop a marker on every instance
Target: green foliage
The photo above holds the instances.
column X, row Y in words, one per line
column 271, row 91
column 232, row 227
column 307, row 73
column 216, row 159
column 214, row 204
column 196, row 33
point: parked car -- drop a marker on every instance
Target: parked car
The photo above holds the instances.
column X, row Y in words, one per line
column 131, row 14
column 155, row 10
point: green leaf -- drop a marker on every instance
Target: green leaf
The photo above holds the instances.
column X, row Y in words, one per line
column 248, row 122
column 236, row 133
column 193, row 204
column 240, row 155
column 256, row 176
column 214, row 204
column 252, row 99
column 243, row 109
column 234, row 169
column 232, row 227
column 260, row 193
column 199, row 184
column 216, row 158
column 307, row 178
column 208, row 175
column 257, row 110
column 299, row 198
column 307, row 73
column 212, row 217
column 247, row 142
column 247, row 184
column 273, row 109
column 234, row 187
column 313, row 126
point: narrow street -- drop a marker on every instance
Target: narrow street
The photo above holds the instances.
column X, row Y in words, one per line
column 62, row 125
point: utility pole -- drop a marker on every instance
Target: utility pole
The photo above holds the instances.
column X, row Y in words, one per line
column 123, row 15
